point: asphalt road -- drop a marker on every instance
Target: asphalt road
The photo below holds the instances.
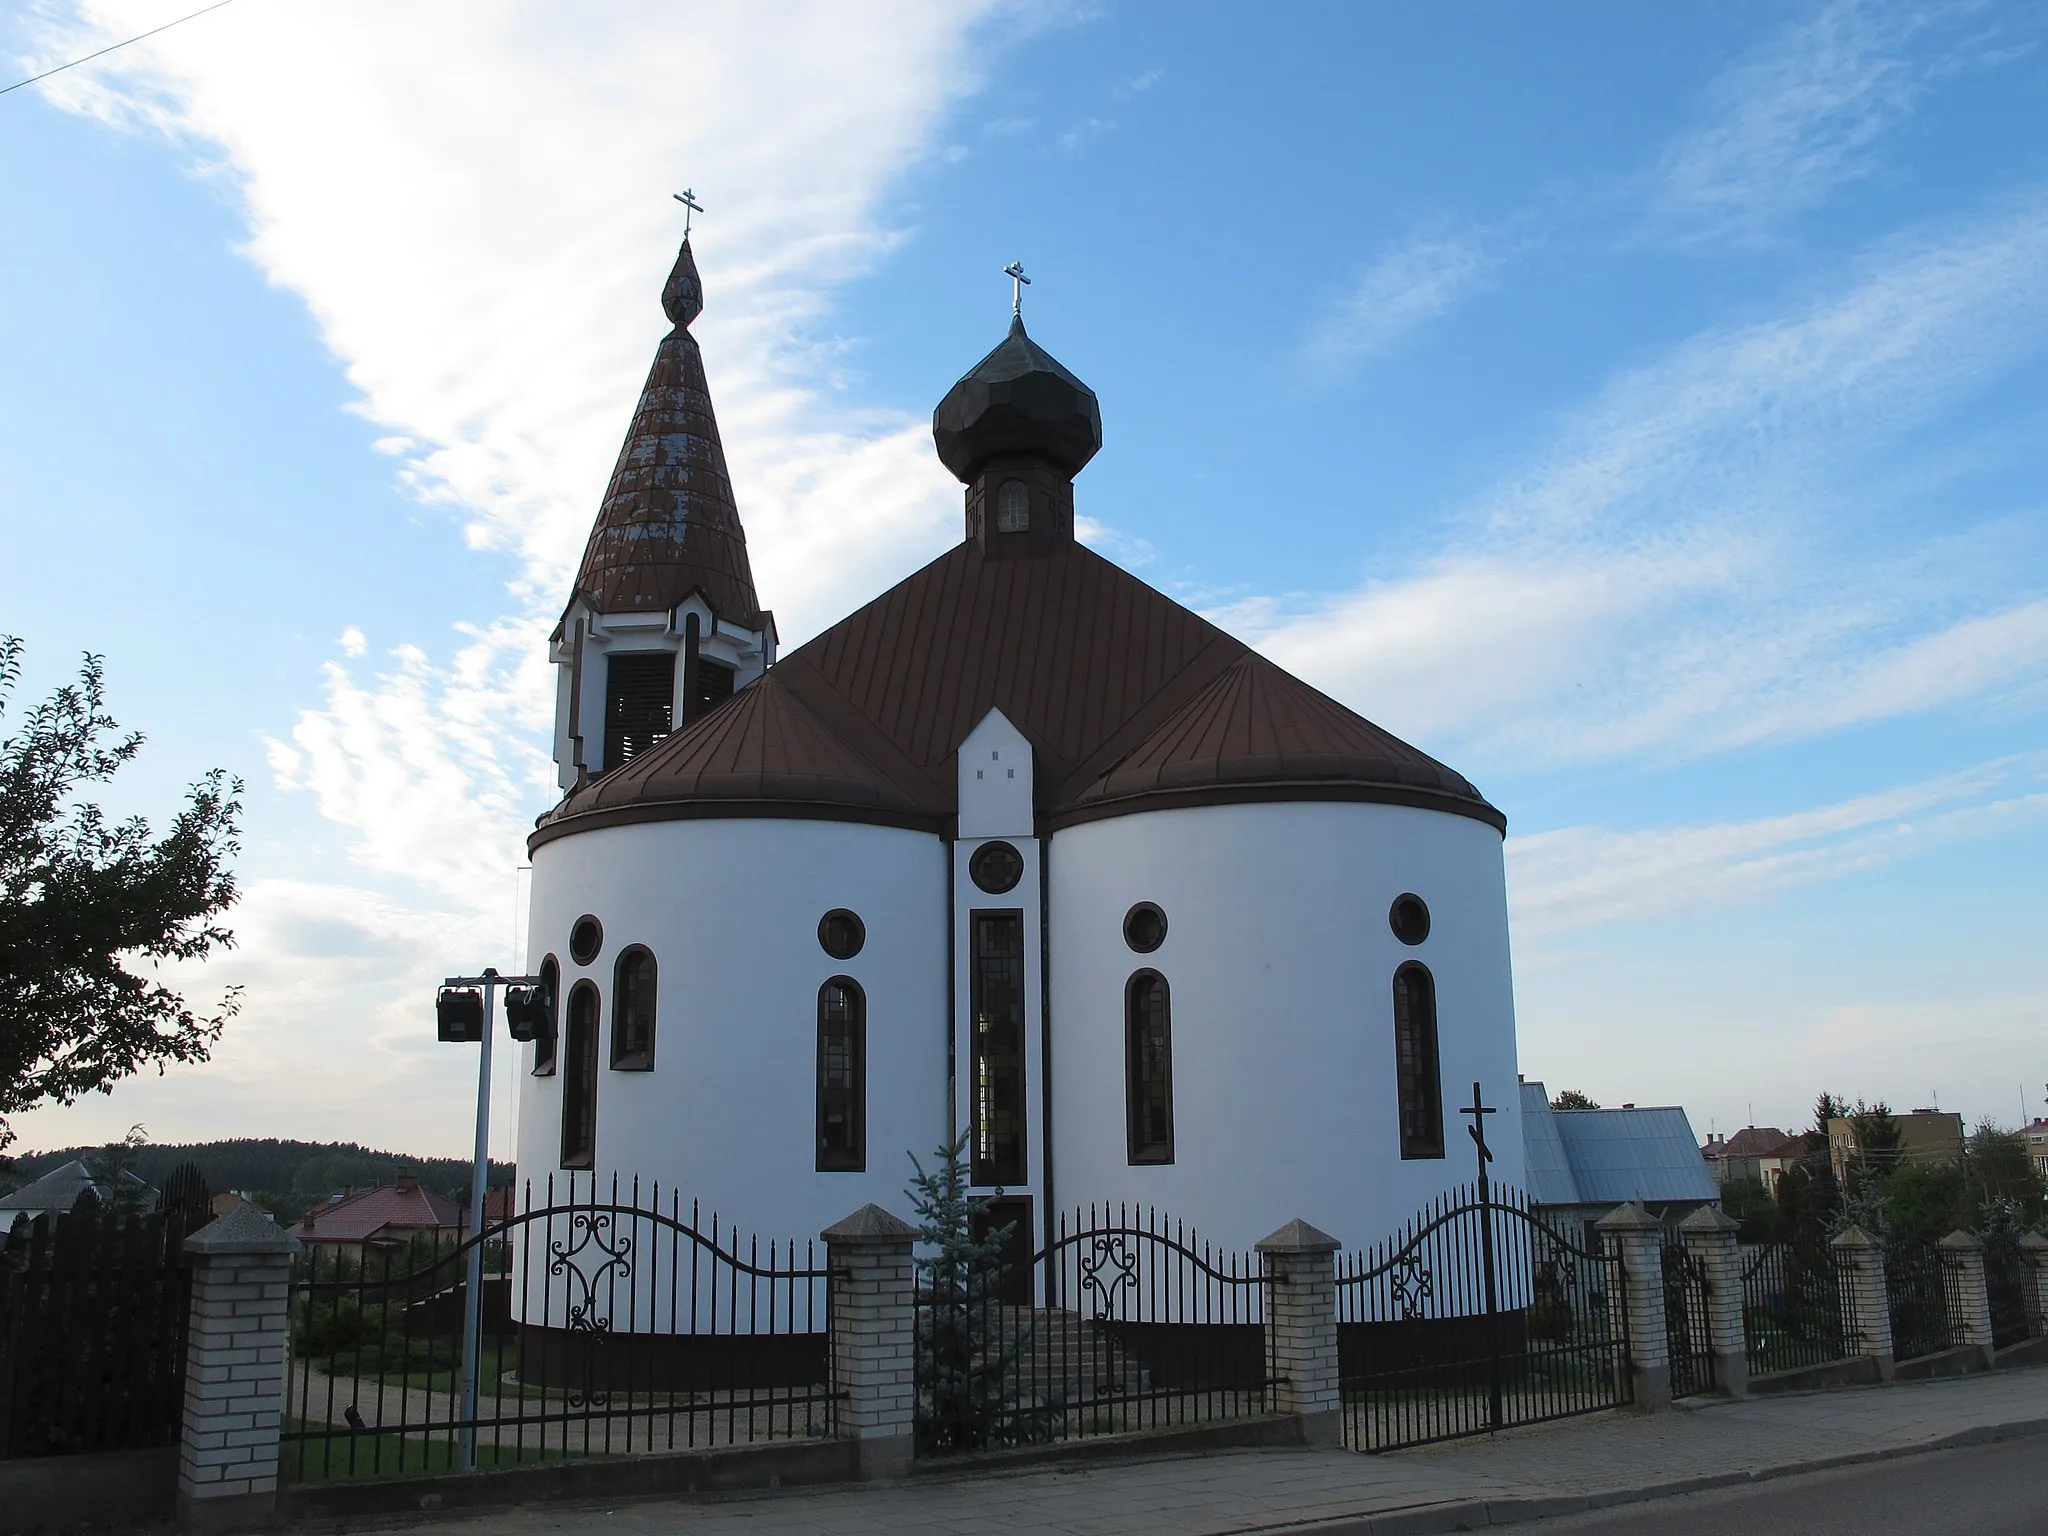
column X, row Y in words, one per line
column 1983, row 1490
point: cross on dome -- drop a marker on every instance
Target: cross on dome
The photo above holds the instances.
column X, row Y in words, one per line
column 1018, row 283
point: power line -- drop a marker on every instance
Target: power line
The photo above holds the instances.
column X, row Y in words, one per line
column 138, row 37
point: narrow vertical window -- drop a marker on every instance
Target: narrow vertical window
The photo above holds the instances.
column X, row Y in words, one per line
column 842, row 1077
column 1013, row 508
column 544, row 1048
column 633, row 1011
column 1415, row 1066
column 996, row 1061
column 1148, row 1068
column 579, row 1079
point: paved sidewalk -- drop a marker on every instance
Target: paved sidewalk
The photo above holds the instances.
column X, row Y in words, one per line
column 1541, row 1470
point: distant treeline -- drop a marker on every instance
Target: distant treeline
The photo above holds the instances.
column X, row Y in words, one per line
column 287, row 1176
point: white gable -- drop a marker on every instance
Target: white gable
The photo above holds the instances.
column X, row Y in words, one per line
column 995, row 780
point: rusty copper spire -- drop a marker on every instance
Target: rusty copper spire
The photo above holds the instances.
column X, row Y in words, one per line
column 668, row 525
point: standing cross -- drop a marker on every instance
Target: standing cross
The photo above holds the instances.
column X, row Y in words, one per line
column 688, row 198
column 1018, row 283
column 1477, row 1129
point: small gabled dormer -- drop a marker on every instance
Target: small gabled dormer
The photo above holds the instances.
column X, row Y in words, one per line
column 995, row 781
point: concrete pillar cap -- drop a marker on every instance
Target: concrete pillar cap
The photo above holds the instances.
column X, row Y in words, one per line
column 2034, row 1242
column 1298, row 1237
column 1710, row 1218
column 870, row 1225
column 245, row 1229
column 1628, row 1217
column 1855, row 1237
column 1962, row 1242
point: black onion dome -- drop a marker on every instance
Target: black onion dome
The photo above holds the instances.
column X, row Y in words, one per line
column 1018, row 399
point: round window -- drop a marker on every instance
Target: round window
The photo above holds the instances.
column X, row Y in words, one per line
column 996, row 868
column 1144, row 927
column 586, row 939
column 841, row 934
column 1409, row 918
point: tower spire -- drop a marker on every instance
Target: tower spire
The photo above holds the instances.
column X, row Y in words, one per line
column 668, row 525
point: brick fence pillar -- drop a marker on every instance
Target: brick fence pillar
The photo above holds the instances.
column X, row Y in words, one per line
column 1867, row 1329
column 2034, row 1283
column 1300, row 1264
column 1710, row 1237
column 874, row 1338
column 234, row 1371
column 1638, row 1238
column 1968, row 1297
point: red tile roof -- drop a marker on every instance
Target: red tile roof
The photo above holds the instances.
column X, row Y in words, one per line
column 378, row 1213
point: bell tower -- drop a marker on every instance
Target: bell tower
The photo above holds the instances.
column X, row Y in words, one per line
column 663, row 624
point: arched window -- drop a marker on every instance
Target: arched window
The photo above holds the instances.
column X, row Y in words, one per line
column 842, row 1077
column 579, row 1079
column 633, row 1011
column 1148, row 1068
column 1416, row 1080
column 544, row 1048
column 1013, row 507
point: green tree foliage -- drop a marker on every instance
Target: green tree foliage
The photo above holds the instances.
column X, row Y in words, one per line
column 967, row 1348
column 89, row 910
column 1571, row 1098
column 122, row 1189
column 1748, row 1202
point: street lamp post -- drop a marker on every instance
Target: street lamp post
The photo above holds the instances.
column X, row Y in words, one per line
column 462, row 1016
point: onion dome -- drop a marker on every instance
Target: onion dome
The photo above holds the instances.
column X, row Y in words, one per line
column 668, row 525
column 1018, row 399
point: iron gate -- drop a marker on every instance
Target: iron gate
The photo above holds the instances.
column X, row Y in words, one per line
column 1476, row 1316
column 1922, row 1284
column 92, row 1332
column 1125, row 1320
column 1793, row 1307
column 2005, row 1286
column 1687, row 1325
column 608, row 1326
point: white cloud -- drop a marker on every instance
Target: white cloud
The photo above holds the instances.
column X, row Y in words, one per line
column 1585, row 877
column 472, row 201
column 1395, row 296
column 1687, row 566
column 1799, row 118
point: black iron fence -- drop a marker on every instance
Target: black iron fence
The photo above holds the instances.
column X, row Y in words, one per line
column 2005, row 1285
column 1476, row 1316
column 1923, row 1285
column 1795, row 1303
column 1125, row 1320
column 92, row 1332
column 1688, row 1333
column 607, row 1325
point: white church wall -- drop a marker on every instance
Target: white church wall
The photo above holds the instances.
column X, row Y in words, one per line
column 995, row 766
column 1280, row 965
column 730, row 909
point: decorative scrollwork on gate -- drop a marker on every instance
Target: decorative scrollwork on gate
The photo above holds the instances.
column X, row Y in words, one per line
column 592, row 1233
column 1410, row 1285
column 1108, row 1267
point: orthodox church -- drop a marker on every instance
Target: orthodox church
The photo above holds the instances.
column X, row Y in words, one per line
column 1022, row 850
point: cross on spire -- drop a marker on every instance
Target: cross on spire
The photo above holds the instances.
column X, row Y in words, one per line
column 688, row 198
column 1018, row 283
column 1478, row 1109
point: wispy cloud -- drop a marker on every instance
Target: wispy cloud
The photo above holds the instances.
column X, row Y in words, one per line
column 1396, row 294
column 1088, row 128
column 1586, row 877
column 1802, row 117
column 483, row 249
column 1137, row 85
column 1685, row 568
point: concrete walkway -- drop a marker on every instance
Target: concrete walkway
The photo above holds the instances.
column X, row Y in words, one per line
column 1523, row 1474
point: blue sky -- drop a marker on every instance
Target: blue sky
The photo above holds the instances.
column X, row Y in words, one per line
column 1641, row 408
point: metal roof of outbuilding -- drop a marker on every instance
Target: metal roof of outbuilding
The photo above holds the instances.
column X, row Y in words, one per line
column 1612, row 1155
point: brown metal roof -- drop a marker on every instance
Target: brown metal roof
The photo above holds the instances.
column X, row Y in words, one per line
column 668, row 525
column 1130, row 701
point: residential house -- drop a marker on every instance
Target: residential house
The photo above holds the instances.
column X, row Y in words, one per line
column 1760, row 1154
column 63, row 1187
column 1925, row 1136
column 380, row 1220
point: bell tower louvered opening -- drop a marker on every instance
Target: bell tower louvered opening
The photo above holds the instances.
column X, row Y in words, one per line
column 639, row 692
